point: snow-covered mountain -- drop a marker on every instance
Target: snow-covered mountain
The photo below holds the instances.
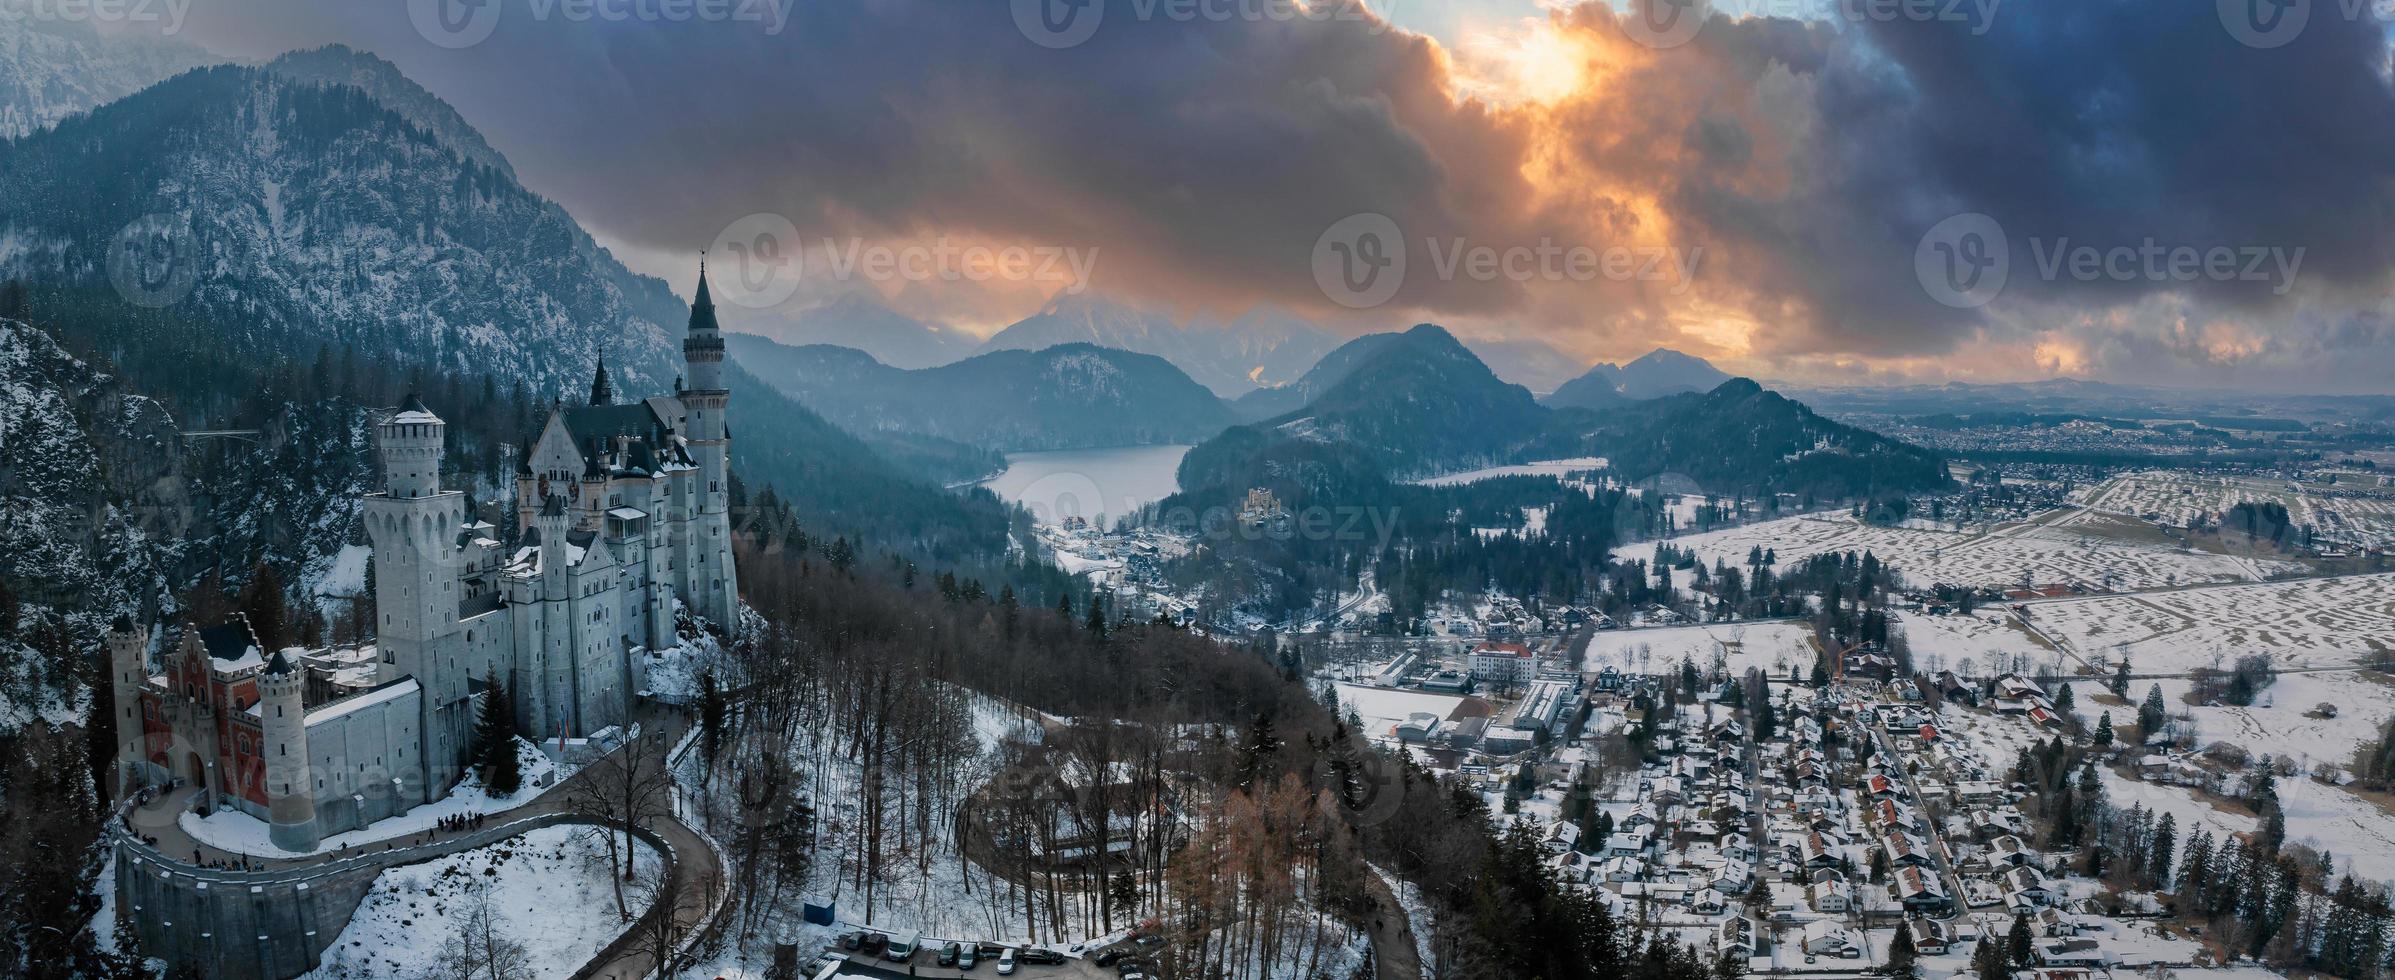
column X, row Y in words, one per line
column 859, row 320
column 1660, row 372
column 1263, row 347
column 293, row 214
column 337, row 64
column 51, row 68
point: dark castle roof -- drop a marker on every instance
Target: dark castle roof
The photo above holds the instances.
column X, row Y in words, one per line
column 229, row 640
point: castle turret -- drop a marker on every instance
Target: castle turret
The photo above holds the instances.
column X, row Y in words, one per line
column 602, row 390
column 418, row 564
column 713, row 587
column 127, row 675
column 290, row 787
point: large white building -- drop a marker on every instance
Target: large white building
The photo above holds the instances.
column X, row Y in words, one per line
column 623, row 512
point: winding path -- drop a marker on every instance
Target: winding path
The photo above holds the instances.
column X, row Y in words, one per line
column 695, row 865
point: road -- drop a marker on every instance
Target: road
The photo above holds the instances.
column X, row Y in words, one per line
column 1937, row 843
column 695, row 871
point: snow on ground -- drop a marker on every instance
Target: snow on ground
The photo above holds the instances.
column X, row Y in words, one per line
column 1774, row 646
column 1985, row 639
column 2313, row 622
column 230, row 829
column 2359, row 834
column 1558, row 468
column 549, row 889
column 1382, row 708
column 2177, row 498
column 343, row 575
column 2064, row 546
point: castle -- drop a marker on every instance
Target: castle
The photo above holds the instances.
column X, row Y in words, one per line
column 624, row 512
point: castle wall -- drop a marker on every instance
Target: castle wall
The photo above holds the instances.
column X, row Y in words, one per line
column 364, row 761
column 227, row 927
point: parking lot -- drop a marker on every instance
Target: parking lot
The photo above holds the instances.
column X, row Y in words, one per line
column 922, row 965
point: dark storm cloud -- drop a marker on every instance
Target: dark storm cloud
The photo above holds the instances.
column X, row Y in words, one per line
column 1205, row 157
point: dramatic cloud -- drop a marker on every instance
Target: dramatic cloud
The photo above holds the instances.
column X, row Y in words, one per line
column 2175, row 203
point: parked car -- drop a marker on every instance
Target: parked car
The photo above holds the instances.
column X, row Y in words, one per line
column 1128, row 967
column 875, row 943
column 1006, row 962
column 949, row 953
column 902, row 948
column 852, row 939
column 968, row 957
column 1110, row 957
column 1042, row 957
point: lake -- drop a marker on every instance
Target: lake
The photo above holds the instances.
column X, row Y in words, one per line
column 1100, row 485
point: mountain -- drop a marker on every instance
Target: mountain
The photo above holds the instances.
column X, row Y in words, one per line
column 52, row 68
column 336, row 64
column 1066, row 397
column 213, row 233
column 861, row 321
column 1533, row 364
column 1740, row 438
column 1660, row 372
column 1334, row 367
column 1413, row 402
column 1262, row 347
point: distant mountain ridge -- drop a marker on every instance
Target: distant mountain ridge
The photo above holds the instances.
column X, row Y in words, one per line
column 1071, row 396
column 861, row 321
column 1393, row 406
column 1264, row 346
column 52, row 68
column 1658, row 373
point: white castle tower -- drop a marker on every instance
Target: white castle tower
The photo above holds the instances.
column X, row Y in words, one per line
column 283, row 732
column 415, row 524
column 714, row 591
column 129, row 675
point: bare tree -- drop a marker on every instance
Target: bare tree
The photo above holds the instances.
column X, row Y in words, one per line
column 480, row 948
column 624, row 790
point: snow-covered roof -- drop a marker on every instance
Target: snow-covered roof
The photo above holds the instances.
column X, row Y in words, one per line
column 381, row 695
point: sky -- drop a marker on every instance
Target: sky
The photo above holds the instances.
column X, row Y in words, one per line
column 2177, row 192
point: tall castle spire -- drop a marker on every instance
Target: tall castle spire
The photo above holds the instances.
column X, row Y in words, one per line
column 602, row 391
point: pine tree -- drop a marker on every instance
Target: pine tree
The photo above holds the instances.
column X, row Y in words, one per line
column 2151, row 715
column 2166, row 839
column 2019, row 946
column 2120, row 680
column 494, row 745
column 2103, row 735
column 1988, row 961
column 2064, row 701
column 1903, row 958
column 262, row 602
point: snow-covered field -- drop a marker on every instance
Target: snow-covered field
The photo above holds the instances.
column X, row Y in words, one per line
column 549, row 890
column 1773, row 646
column 2340, row 512
column 2072, row 546
column 1381, row 708
column 2314, row 622
column 232, row 830
column 1974, row 645
column 2359, row 835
